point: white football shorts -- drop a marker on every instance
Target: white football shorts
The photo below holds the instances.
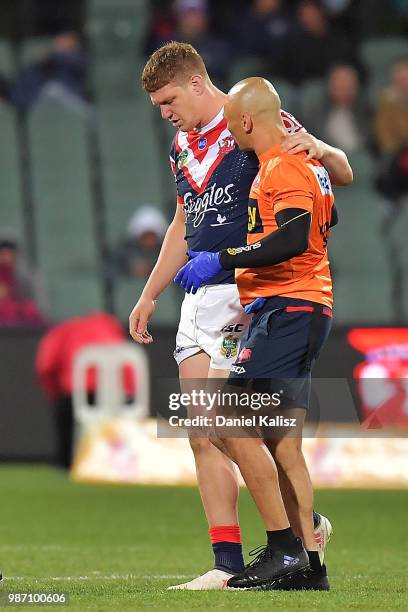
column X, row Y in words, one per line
column 213, row 321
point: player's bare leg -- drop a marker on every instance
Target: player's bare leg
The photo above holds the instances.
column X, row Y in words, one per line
column 217, row 483
column 216, row 474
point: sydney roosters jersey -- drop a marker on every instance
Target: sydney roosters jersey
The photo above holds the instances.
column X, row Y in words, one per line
column 213, row 179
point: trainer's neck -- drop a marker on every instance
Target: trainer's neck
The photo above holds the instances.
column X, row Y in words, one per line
column 268, row 136
column 213, row 101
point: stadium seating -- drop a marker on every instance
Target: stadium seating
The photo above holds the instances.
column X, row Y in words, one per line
column 136, row 172
column 6, row 60
column 245, row 67
column 311, row 95
column 359, row 256
column 131, row 161
column 10, row 196
column 73, row 295
column 134, row 146
column 33, row 49
column 167, row 308
column 116, row 30
column 64, row 224
column 379, row 54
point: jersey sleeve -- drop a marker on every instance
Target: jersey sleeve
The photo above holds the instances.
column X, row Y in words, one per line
column 289, row 186
column 173, row 165
column 292, row 125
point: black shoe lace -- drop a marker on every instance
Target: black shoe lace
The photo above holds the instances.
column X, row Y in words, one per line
column 261, row 553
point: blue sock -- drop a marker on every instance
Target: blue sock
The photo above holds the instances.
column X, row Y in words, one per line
column 228, row 557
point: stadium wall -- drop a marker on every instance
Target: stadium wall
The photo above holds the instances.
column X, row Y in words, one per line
column 26, row 428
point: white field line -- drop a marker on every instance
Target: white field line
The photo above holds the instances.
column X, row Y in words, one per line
column 51, row 547
column 98, row 576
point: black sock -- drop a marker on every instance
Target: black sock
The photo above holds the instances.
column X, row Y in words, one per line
column 228, row 557
column 314, row 560
column 282, row 538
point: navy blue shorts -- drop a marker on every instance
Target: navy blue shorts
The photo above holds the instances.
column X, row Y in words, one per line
column 280, row 348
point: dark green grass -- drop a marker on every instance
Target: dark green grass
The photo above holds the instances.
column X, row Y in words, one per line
column 118, row 548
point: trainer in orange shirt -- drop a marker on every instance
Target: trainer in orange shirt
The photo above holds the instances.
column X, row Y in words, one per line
column 289, row 182
column 283, row 277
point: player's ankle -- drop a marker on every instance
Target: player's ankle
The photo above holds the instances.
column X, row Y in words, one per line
column 227, row 548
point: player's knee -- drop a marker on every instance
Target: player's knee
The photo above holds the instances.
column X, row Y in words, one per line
column 200, row 445
column 287, row 453
column 232, row 447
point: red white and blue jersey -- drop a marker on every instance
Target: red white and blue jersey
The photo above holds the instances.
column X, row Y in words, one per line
column 213, row 179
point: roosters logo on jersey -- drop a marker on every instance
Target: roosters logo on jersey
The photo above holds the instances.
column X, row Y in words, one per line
column 226, row 145
column 197, row 207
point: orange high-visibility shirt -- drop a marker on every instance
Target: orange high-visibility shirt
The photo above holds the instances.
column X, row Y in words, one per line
column 288, row 181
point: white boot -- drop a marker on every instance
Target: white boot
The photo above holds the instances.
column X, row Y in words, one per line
column 213, row 580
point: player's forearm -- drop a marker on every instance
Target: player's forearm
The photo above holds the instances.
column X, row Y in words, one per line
column 337, row 165
column 172, row 257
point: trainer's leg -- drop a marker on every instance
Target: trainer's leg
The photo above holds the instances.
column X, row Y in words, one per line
column 296, row 486
column 216, row 474
column 259, row 471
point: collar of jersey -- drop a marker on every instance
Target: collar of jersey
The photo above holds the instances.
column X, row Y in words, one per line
column 212, row 124
column 273, row 152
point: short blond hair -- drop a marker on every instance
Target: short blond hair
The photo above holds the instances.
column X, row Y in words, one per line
column 174, row 61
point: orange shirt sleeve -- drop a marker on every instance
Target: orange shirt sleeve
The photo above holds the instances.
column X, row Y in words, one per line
column 288, row 184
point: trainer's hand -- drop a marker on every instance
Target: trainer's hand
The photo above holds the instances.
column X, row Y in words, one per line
column 202, row 266
column 139, row 318
column 303, row 141
column 255, row 306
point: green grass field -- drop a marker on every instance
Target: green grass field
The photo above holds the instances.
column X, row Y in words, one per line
column 118, row 548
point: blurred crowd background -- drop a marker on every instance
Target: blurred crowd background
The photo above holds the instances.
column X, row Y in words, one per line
column 86, row 191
